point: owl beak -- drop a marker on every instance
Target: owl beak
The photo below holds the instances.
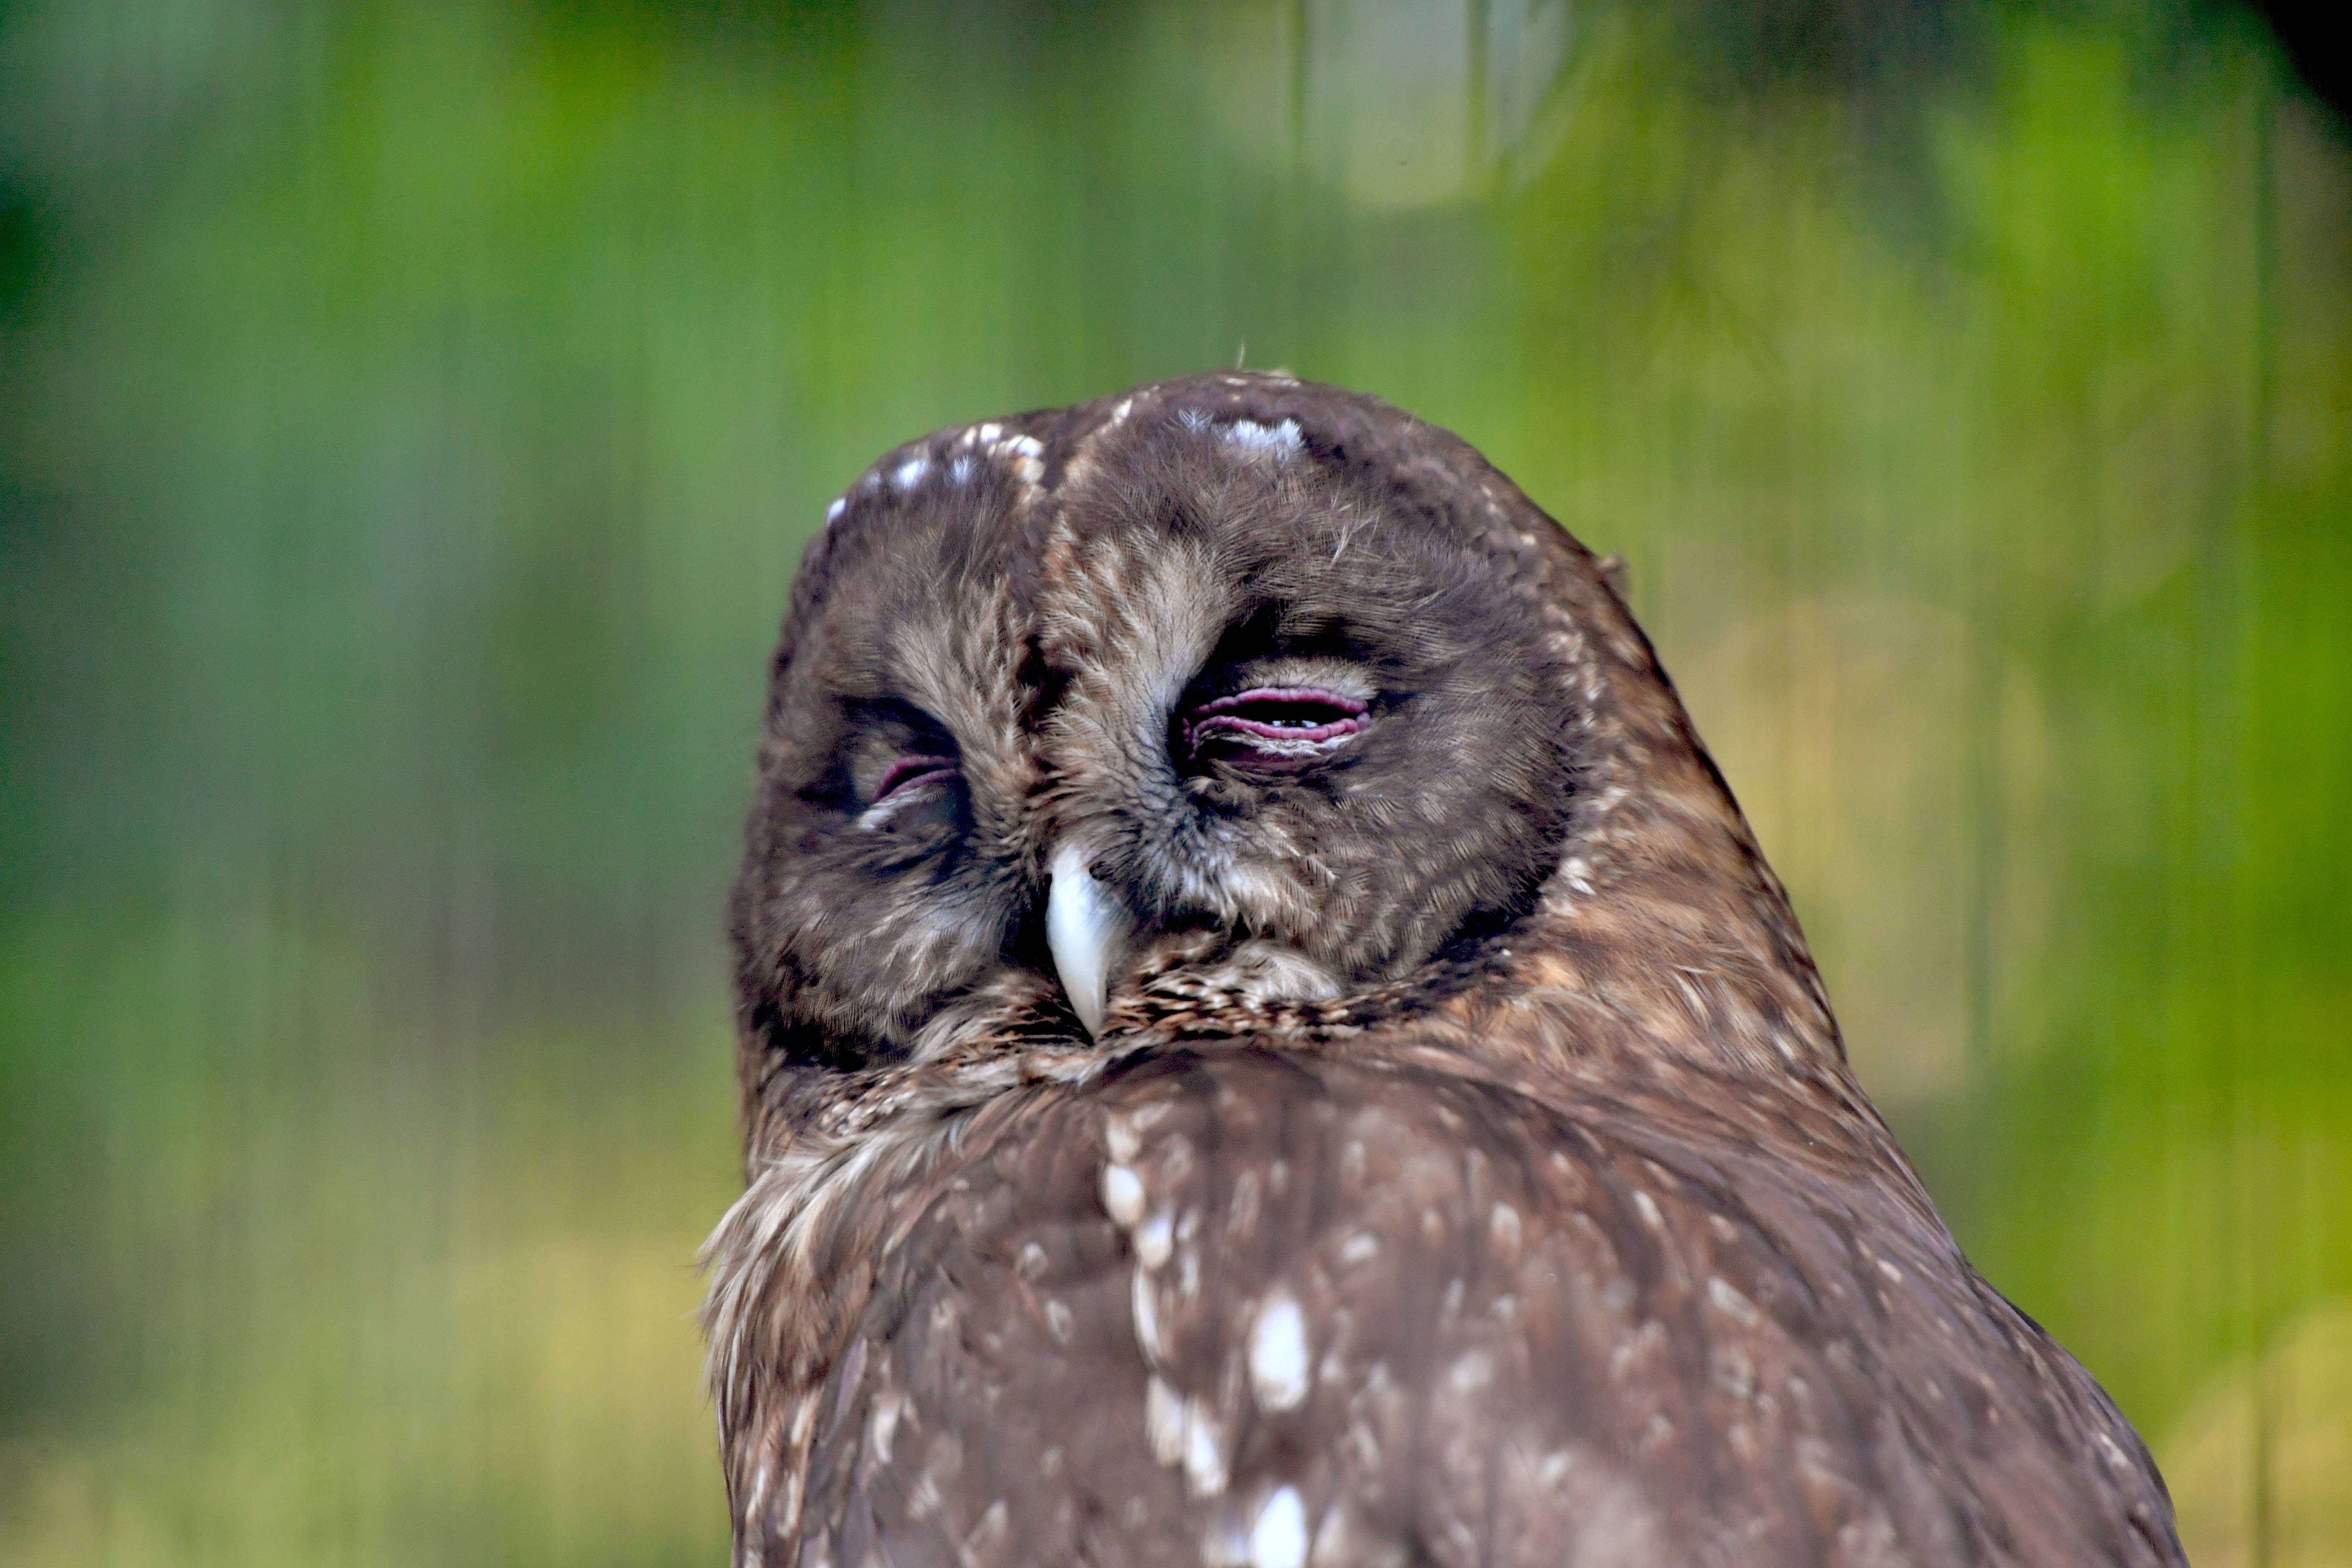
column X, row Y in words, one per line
column 1087, row 928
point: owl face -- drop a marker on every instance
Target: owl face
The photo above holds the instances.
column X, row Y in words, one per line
column 891, row 855
column 1288, row 735
column 1168, row 692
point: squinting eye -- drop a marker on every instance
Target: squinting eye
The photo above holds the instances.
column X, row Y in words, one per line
column 1273, row 728
column 910, row 774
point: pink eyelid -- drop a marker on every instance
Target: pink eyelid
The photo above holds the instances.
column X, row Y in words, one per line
column 1220, row 715
column 913, row 773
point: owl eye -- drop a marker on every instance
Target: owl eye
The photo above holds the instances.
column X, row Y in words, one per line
column 910, row 774
column 1273, row 729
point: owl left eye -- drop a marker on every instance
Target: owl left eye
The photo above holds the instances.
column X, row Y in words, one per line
column 1273, row 729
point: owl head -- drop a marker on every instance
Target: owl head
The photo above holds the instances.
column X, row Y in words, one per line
column 1232, row 698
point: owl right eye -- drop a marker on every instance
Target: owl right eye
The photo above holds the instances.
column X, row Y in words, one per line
column 911, row 773
column 1273, row 730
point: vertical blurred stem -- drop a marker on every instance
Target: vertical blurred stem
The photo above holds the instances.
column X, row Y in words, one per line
column 1477, row 99
column 1290, row 220
column 1989, row 827
column 2224, row 633
column 1982, row 552
column 2258, row 486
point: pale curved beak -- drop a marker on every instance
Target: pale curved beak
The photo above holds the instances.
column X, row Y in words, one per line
column 1087, row 929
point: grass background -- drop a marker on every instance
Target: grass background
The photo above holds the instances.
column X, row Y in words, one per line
column 410, row 415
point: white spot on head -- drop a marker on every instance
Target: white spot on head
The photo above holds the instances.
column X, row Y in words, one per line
column 1890, row 1271
column 1278, row 1538
column 1503, row 1224
column 910, row 473
column 1122, row 1195
column 832, row 513
column 1360, row 1248
column 1649, row 1207
column 961, row 470
column 1192, row 419
column 991, row 431
column 1279, row 1359
column 1059, row 1320
column 1279, row 440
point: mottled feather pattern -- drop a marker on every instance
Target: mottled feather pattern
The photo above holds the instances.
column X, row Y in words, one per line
column 1467, row 1169
column 1610, row 1325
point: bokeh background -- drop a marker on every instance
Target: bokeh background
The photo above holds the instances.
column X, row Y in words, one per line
column 411, row 414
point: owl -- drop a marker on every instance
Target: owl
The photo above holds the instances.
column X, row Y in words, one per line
column 1266, row 1040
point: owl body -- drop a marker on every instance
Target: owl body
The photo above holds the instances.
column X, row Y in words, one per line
column 1266, row 1041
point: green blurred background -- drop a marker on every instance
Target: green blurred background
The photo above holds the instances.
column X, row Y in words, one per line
column 411, row 414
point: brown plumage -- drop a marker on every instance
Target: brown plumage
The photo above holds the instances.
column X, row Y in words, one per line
column 1463, row 1166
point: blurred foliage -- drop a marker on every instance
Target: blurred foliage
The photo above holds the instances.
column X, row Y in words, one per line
column 2294, row 1409
column 410, row 415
